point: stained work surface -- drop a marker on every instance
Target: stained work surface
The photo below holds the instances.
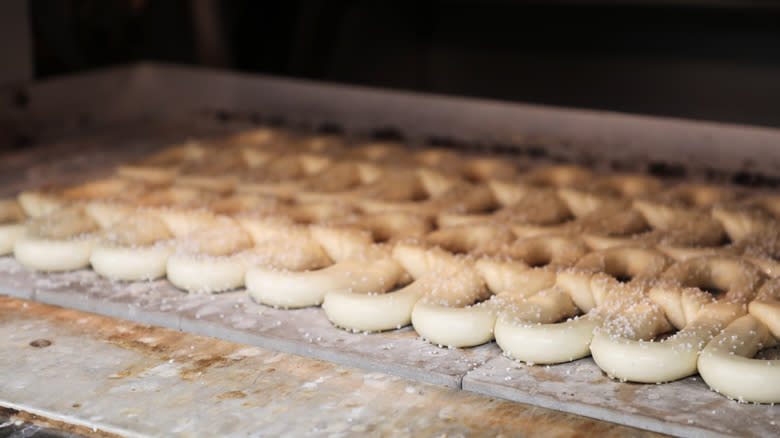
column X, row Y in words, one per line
column 233, row 316
column 137, row 380
column 686, row 408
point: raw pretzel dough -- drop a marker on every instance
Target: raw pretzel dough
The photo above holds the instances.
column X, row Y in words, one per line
column 727, row 362
column 61, row 241
column 697, row 314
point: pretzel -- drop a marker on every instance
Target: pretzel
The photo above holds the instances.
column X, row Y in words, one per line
column 459, row 319
column 163, row 167
column 508, row 268
column 697, row 195
column 61, row 241
column 726, row 364
column 763, row 250
column 554, row 262
column 697, row 315
column 347, row 248
column 283, row 175
column 359, row 267
column 210, row 259
column 377, row 311
column 610, row 193
column 440, row 276
column 479, row 169
column 450, row 280
column 337, row 181
column 619, row 222
column 380, row 309
column 536, row 207
column 441, row 194
column 767, row 203
column 365, row 182
column 528, row 265
column 217, row 171
column 741, row 220
column 379, row 151
column 533, row 332
column 40, row 203
column 134, row 248
column 672, row 227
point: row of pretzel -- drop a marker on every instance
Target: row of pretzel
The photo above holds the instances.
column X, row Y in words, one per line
column 555, row 262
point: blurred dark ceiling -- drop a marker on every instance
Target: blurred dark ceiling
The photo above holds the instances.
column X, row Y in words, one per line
column 716, row 60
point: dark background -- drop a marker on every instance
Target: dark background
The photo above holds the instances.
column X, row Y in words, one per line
column 714, row 60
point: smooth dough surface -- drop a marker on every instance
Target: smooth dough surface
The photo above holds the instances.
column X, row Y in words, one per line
column 672, row 359
column 53, row 255
column 372, row 312
column 283, row 288
column 546, row 343
column 130, row 263
column 453, row 326
column 726, row 364
column 201, row 273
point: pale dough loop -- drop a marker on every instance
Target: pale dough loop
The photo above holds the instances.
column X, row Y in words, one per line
column 531, row 330
column 697, row 314
column 62, row 241
column 291, row 289
column 134, row 248
column 727, row 365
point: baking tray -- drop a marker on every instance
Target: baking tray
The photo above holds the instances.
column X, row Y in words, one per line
column 140, row 108
column 684, row 408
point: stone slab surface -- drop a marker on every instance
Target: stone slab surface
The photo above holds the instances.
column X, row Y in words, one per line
column 685, row 408
column 233, row 316
column 119, row 378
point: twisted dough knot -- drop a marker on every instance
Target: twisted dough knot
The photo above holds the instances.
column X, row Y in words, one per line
column 696, row 195
column 135, row 247
column 536, row 207
column 356, row 265
column 682, row 290
column 473, row 238
column 763, row 250
column 283, row 175
column 600, row 273
column 727, row 365
column 752, row 217
column 527, row 266
column 557, row 176
column 207, row 259
column 675, row 229
column 440, row 278
column 766, row 306
column 61, row 241
column 389, row 227
column 611, row 193
column 440, row 194
column 699, row 315
column 444, row 302
column 601, row 284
